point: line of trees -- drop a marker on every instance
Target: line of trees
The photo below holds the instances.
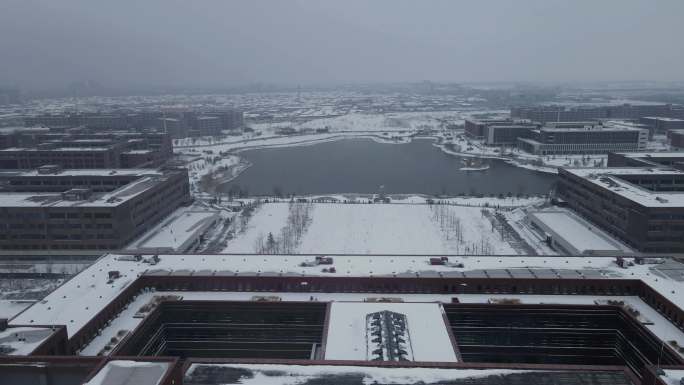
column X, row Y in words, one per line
column 453, row 229
column 298, row 220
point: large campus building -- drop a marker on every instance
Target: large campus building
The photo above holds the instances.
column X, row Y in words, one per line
column 353, row 319
column 54, row 209
column 83, row 148
column 582, row 138
column 641, row 206
column 178, row 123
column 544, row 114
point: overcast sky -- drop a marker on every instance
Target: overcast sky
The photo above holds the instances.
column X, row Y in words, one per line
column 228, row 42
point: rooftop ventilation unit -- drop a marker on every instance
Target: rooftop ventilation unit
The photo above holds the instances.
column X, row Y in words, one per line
column 387, row 337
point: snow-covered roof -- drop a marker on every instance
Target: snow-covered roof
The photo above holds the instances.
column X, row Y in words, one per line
column 92, row 172
column 609, row 178
column 429, row 338
column 654, row 154
column 259, row 374
column 125, row 372
column 78, row 300
column 582, row 235
column 109, row 199
column 174, row 233
column 22, row 341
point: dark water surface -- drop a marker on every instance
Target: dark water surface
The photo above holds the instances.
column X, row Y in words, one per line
column 362, row 166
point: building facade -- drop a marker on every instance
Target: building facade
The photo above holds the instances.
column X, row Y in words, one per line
column 84, row 210
column 588, row 140
column 643, row 207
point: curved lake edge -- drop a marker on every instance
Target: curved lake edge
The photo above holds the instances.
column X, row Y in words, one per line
column 378, row 139
column 478, row 187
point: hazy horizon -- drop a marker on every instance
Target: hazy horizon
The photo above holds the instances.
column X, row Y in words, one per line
column 210, row 43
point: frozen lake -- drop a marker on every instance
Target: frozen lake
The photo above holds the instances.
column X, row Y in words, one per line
column 363, row 165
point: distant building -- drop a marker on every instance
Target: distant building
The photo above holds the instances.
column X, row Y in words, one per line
column 643, row 207
column 474, row 128
column 51, row 209
column 498, row 135
column 230, row 119
column 672, row 159
column 207, row 126
column 662, row 125
column 544, row 114
column 83, row 148
column 174, row 127
column 676, row 138
column 583, row 138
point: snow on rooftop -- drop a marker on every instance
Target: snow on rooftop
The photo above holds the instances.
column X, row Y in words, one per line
column 177, row 231
column 656, row 154
column 300, row 374
column 112, row 198
column 672, row 376
column 124, row 372
column 94, row 172
column 609, row 178
column 78, row 300
column 346, row 339
column 582, row 235
column 22, row 341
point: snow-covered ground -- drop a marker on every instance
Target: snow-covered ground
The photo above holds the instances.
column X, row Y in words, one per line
column 218, row 168
column 379, row 229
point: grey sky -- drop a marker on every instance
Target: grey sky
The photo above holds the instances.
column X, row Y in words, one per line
column 51, row 43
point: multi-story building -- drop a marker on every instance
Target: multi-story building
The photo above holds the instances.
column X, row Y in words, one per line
column 673, row 159
column 21, row 136
column 662, row 125
column 583, row 138
column 173, row 319
column 230, row 119
column 53, row 120
column 676, row 138
column 506, row 134
column 207, row 126
column 49, row 209
column 643, row 207
column 544, row 114
column 83, row 148
column 475, row 128
column 174, row 127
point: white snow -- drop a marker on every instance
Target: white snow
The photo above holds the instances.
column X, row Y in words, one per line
column 177, row 232
column 672, row 376
column 124, row 372
column 10, row 308
column 296, row 374
column 379, row 229
column 346, row 338
column 268, row 218
column 581, row 235
column 24, row 340
column 126, row 321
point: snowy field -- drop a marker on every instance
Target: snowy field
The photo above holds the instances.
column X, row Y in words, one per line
column 377, row 229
